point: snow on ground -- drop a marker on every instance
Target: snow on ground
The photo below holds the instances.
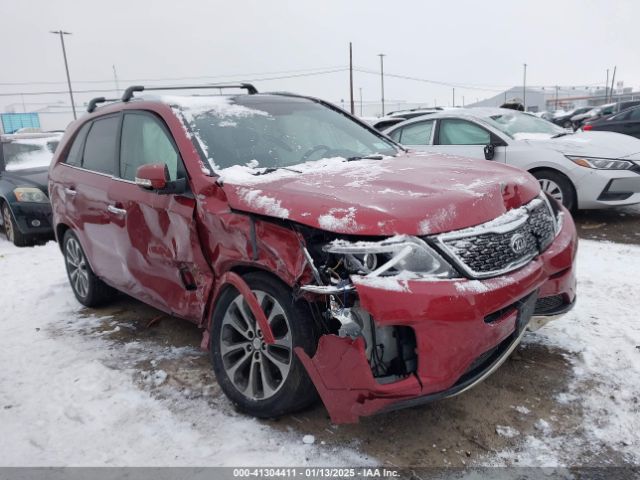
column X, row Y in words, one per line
column 602, row 339
column 68, row 395
column 63, row 404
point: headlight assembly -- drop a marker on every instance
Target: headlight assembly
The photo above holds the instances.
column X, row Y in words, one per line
column 601, row 163
column 31, row 195
column 393, row 256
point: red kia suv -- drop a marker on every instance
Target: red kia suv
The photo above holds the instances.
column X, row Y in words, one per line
column 317, row 255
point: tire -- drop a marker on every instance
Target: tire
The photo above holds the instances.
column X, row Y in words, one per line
column 11, row 230
column 235, row 355
column 87, row 287
column 568, row 124
column 558, row 186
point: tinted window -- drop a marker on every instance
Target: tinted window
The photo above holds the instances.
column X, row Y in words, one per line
column 634, row 115
column 461, row 132
column 417, row 133
column 74, row 157
column 396, row 135
column 145, row 140
column 100, row 148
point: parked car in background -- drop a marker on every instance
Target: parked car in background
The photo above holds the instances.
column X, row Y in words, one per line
column 564, row 119
column 582, row 170
column 25, row 211
column 316, row 254
column 414, row 112
column 627, row 122
column 602, row 112
column 382, row 123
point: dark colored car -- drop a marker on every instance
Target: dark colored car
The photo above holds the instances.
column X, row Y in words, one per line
column 25, row 211
column 564, row 120
column 627, row 122
column 601, row 112
column 316, row 255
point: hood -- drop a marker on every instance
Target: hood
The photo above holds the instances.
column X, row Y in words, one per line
column 413, row 194
column 29, row 177
column 589, row 144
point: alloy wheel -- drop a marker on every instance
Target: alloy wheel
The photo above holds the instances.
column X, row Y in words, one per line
column 8, row 225
column 552, row 188
column 77, row 267
column 255, row 369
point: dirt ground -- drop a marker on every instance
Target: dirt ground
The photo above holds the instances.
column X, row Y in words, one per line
column 454, row 432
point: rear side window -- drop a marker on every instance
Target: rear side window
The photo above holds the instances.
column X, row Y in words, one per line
column 417, row 133
column 74, row 157
column 634, row 115
column 145, row 140
column 100, row 147
column 461, row 132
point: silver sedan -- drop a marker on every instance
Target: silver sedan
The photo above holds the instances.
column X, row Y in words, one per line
column 582, row 170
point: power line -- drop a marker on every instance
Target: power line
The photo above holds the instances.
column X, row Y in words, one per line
column 173, row 79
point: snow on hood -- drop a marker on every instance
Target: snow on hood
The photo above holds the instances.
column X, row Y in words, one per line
column 589, row 144
column 414, row 194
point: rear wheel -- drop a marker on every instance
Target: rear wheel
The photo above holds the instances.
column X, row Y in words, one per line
column 263, row 380
column 87, row 287
column 11, row 230
column 558, row 186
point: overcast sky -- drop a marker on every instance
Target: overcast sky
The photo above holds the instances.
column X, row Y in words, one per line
column 463, row 42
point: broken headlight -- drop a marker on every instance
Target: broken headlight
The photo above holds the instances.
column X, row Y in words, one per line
column 400, row 255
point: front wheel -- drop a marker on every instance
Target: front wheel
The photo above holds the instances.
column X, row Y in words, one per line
column 558, row 186
column 263, row 380
column 11, row 229
column 87, row 287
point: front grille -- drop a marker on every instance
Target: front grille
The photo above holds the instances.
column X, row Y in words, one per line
column 504, row 244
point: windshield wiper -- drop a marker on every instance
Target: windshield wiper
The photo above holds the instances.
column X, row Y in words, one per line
column 562, row 134
column 365, row 157
column 273, row 169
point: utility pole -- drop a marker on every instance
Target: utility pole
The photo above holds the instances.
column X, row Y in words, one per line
column 360, row 101
column 115, row 78
column 454, row 97
column 524, row 89
column 462, row 101
column 613, row 81
column 606, row 88
column 382, row 55
column 557, row 88
column 66, row 66
column 351, row 79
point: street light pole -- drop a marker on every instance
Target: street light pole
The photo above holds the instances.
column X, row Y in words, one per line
column 66, row 66
column 381, row 55
column 524, row 89
column 360, row 101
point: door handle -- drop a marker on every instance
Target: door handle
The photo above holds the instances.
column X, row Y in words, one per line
column 70, row 191
column 116, row 211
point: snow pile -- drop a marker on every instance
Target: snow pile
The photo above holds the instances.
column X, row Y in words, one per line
column 341, row 219
column 68, row 399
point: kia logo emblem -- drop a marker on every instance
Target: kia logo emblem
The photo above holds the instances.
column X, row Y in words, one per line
column 518, row 243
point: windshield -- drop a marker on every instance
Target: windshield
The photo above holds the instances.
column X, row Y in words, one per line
column 275, row 131
column 516, row 124
column 29, row 153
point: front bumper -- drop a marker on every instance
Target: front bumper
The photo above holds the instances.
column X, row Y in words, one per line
column 464, row 330
column 608, row 188
column 33, row 218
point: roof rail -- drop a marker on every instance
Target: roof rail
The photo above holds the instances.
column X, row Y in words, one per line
column 128, row 93
column 93, row 103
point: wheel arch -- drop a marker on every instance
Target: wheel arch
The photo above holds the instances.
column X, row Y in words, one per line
column 539, row 169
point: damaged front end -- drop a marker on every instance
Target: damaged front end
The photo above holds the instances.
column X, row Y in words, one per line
column 404, row 324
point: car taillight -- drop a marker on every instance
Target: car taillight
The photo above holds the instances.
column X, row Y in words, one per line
column 587, row 127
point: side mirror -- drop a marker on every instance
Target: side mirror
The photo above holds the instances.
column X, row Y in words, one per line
column 152, row 176
column 489, row 151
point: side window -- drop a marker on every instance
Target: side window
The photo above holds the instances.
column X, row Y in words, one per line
column 462, row 132
column 417, row 133
column 145, row 140
column 74, row 157
column 634, row 115
column 396, row 134
column 100, row 147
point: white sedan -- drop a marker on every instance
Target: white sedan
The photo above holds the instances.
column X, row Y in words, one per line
column 582, row 170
